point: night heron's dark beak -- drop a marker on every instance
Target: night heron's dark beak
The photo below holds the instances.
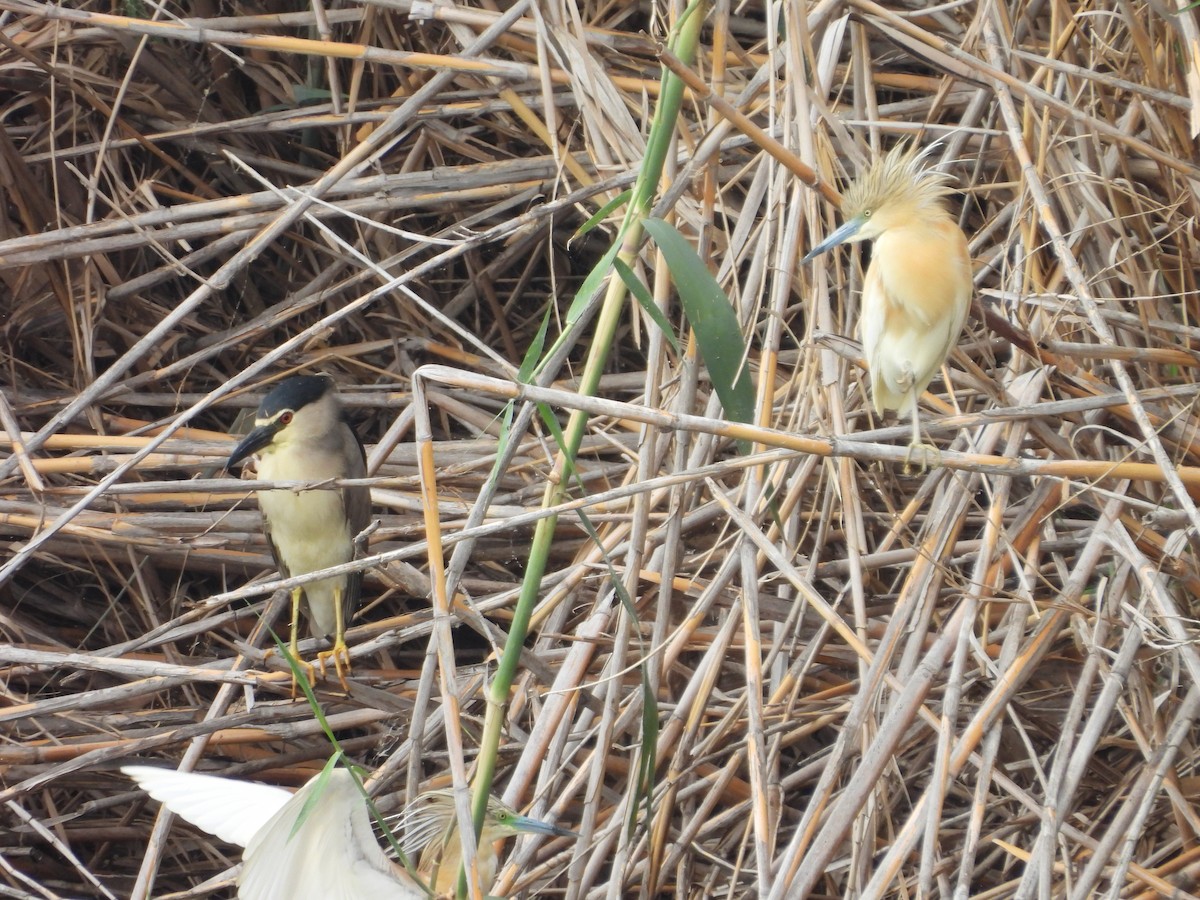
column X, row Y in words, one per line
column 252, row 443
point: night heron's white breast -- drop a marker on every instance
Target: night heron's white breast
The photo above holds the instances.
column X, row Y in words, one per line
column 309, row 529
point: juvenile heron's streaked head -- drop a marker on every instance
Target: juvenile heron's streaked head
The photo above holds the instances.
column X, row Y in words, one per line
column 429, row 828
column 431, row 819
column 894, row 192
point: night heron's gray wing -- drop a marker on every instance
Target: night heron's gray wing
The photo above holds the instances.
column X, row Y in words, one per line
column 357, row 503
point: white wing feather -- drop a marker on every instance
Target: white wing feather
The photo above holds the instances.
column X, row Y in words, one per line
column 331, row 855
column 232, row 810
column 325, row 852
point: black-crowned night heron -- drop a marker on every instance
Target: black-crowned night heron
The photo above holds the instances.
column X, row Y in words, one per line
column 918, row 286
column 300, row 435
column 317, row 844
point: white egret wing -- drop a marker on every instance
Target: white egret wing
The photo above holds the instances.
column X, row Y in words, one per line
column 232, row 810
column 320, row 846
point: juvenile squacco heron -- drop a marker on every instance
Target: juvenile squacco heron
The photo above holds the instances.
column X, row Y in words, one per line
column 317, row 844
column 918, row 286
column 300, row 435
column 430, row 828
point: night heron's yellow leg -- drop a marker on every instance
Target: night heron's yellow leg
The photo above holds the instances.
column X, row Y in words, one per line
column 340, row 654
column 294, row 645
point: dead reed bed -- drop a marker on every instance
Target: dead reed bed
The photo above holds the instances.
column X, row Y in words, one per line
column 821, row 676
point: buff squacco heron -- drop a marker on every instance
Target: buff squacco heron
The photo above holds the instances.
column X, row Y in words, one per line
column 918, row 285
column 318, row 844
column 300, row 435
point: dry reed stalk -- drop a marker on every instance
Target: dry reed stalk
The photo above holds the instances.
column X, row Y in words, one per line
column 980, row 679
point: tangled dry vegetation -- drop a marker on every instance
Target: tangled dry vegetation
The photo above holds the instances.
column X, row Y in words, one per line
column 979, row 680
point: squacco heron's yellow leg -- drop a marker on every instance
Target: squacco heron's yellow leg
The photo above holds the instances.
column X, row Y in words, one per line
column 340, row 654
column 926, row 450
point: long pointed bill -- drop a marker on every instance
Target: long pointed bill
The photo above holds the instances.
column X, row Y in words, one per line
column 251, row 443
column 526, row 825
column 846, row 232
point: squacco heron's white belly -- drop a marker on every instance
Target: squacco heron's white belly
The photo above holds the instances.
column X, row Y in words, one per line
column 915, row 300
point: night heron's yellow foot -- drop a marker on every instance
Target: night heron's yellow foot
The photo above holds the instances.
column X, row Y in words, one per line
column 310, row 674
column 309, row 670
column 292, row 657
column 340, row 654
column 929, row 457
column 296, row 664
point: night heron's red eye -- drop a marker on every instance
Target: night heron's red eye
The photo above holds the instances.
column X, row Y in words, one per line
column 286, row 418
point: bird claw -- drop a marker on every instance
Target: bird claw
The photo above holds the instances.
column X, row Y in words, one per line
column 928, row 451
column 340, row 654
column 291, row 656
column 310, row 674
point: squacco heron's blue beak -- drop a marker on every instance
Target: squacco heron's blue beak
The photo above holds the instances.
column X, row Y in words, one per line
column 526, row 825
column 847, row 232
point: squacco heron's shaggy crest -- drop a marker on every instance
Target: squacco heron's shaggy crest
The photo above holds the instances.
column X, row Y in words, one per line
column 317, row 844
column 918, row 286
column 430, row 827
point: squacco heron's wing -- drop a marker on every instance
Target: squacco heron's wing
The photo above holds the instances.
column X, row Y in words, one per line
column 320, row 846
column 316, row 844
column 915, row 299
column 231, row 810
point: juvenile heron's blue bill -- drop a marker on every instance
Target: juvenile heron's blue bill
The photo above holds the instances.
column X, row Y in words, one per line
column 526, row 825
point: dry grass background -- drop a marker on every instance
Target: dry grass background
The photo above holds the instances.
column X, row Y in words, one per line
column 976, row 681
